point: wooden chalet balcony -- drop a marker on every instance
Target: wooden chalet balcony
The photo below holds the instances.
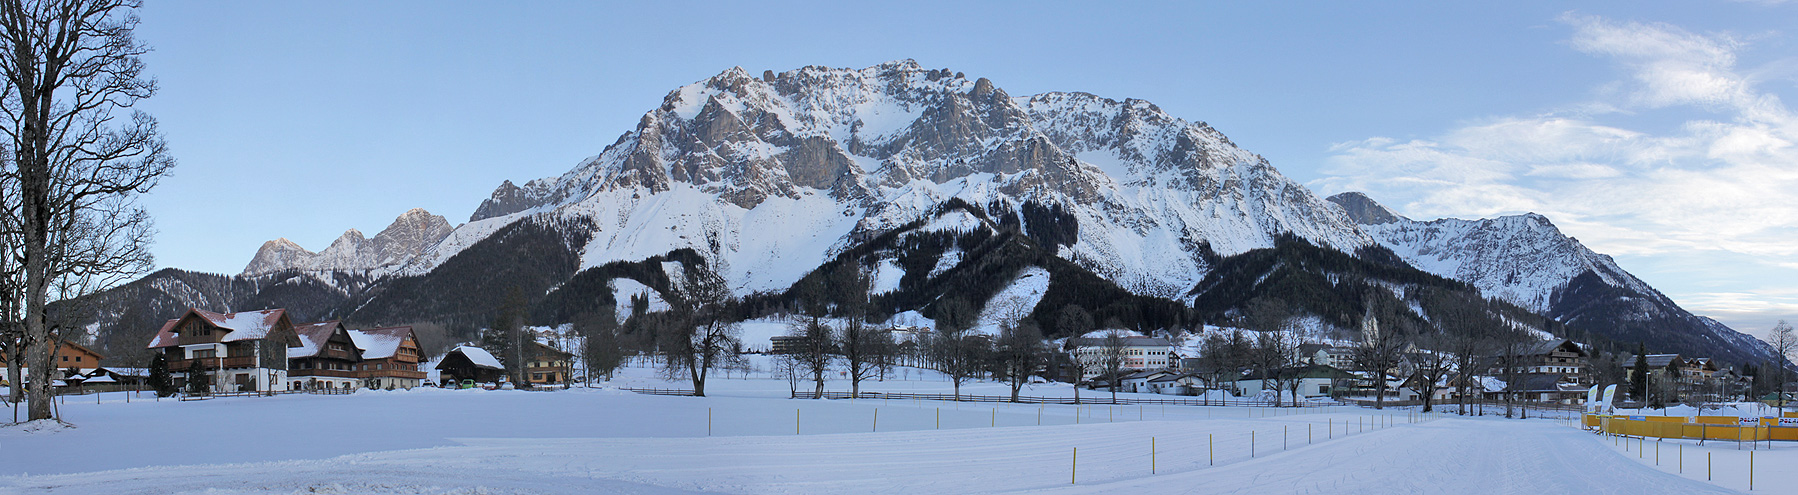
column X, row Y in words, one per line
column 182, row 365
column 417, row 375
column 297, row 373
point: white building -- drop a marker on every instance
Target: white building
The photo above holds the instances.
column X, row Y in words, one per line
column 1314, row 381
column 1139, row 353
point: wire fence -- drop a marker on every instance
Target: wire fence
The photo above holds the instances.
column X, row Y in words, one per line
column 1023, row 399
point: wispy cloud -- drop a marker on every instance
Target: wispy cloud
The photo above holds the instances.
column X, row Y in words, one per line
column 1728, row 181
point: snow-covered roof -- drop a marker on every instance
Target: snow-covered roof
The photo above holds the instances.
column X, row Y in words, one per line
column 480, row 357
column 312, row 338
column 244, row 325
column 378, row 343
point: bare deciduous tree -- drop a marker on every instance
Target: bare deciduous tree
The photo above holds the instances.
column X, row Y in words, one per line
column 866, row 349
column 1274, row 354
column 816, row 349
column 1378, row 352
column 76, row 164
column 1785, row 344
column 1512, row 344
column 1111, row 359
column 1224, row 357
column 696, row 337
column 1424, row 371
column 1020, row 353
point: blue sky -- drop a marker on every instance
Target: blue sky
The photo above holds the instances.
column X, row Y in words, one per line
column 1655, row 133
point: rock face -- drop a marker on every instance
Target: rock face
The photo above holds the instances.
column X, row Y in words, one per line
column 1525, row 260
column 822, row 156
column 410, row 234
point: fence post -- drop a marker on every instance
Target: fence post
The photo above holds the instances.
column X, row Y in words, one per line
column 1707, row 466
column 1750, row 470
column 1211, row 447
column 708, row 421
column 1682, row 458
column 1074, row 469
column 1284, row 429
column 1151, row 455
column 1251, row 444
column 795, row 421
column 1330, row 424
column 939, row 418
column 876, row 420
column 1308, row 432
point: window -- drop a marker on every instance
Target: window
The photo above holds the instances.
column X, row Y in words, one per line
column 77, row 359
column 65, row 359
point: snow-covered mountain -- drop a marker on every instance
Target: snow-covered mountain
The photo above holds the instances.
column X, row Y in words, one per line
column 767, row 176
column 410, row 234
column 1525, row 260
column 950, row 188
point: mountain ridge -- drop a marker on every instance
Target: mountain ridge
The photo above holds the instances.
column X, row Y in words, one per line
column 765, row 180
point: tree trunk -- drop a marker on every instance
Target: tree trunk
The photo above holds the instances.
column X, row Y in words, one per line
column 1379, row 391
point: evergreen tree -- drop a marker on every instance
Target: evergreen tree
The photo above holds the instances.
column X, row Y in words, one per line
column 1638, row 376
column 196, row 378
column 159, row 376
column 506, row 339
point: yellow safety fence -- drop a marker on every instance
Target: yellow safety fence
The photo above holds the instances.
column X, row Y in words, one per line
column 1701, row 427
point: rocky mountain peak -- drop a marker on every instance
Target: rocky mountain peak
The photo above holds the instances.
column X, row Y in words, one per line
column 1364, row 210
column 412, row 233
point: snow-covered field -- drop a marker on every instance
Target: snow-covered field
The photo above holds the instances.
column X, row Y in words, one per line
column 609, row 441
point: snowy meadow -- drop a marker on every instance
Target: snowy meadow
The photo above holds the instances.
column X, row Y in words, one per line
column 749, row 437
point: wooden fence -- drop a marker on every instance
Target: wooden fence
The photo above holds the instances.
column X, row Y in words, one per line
column 660, row 391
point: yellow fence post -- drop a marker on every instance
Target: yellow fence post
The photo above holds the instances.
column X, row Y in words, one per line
column 1074, row 469
column 795, row 421
column 939, row 418
column 1211, row 447
column 1308, row 432
column 1682, row 458
column 876, row 427
column 1251, row 444
column 1707, row 466
column 708, row 421
column 1151, row 455
column 1750, row 470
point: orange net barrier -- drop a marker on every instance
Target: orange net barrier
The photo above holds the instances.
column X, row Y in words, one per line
column 1702, row 427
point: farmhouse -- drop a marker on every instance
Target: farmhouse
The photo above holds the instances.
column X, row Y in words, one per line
column 243, row 351
column 467, row 362
column 390, row 358
column 69, row 356
column 548, row 365
column 326, row 358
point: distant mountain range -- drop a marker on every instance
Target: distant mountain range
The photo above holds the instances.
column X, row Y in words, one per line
column 945, row 188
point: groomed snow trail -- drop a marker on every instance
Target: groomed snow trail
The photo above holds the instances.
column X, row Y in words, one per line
column 1444, row 456
column 1463, row 456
